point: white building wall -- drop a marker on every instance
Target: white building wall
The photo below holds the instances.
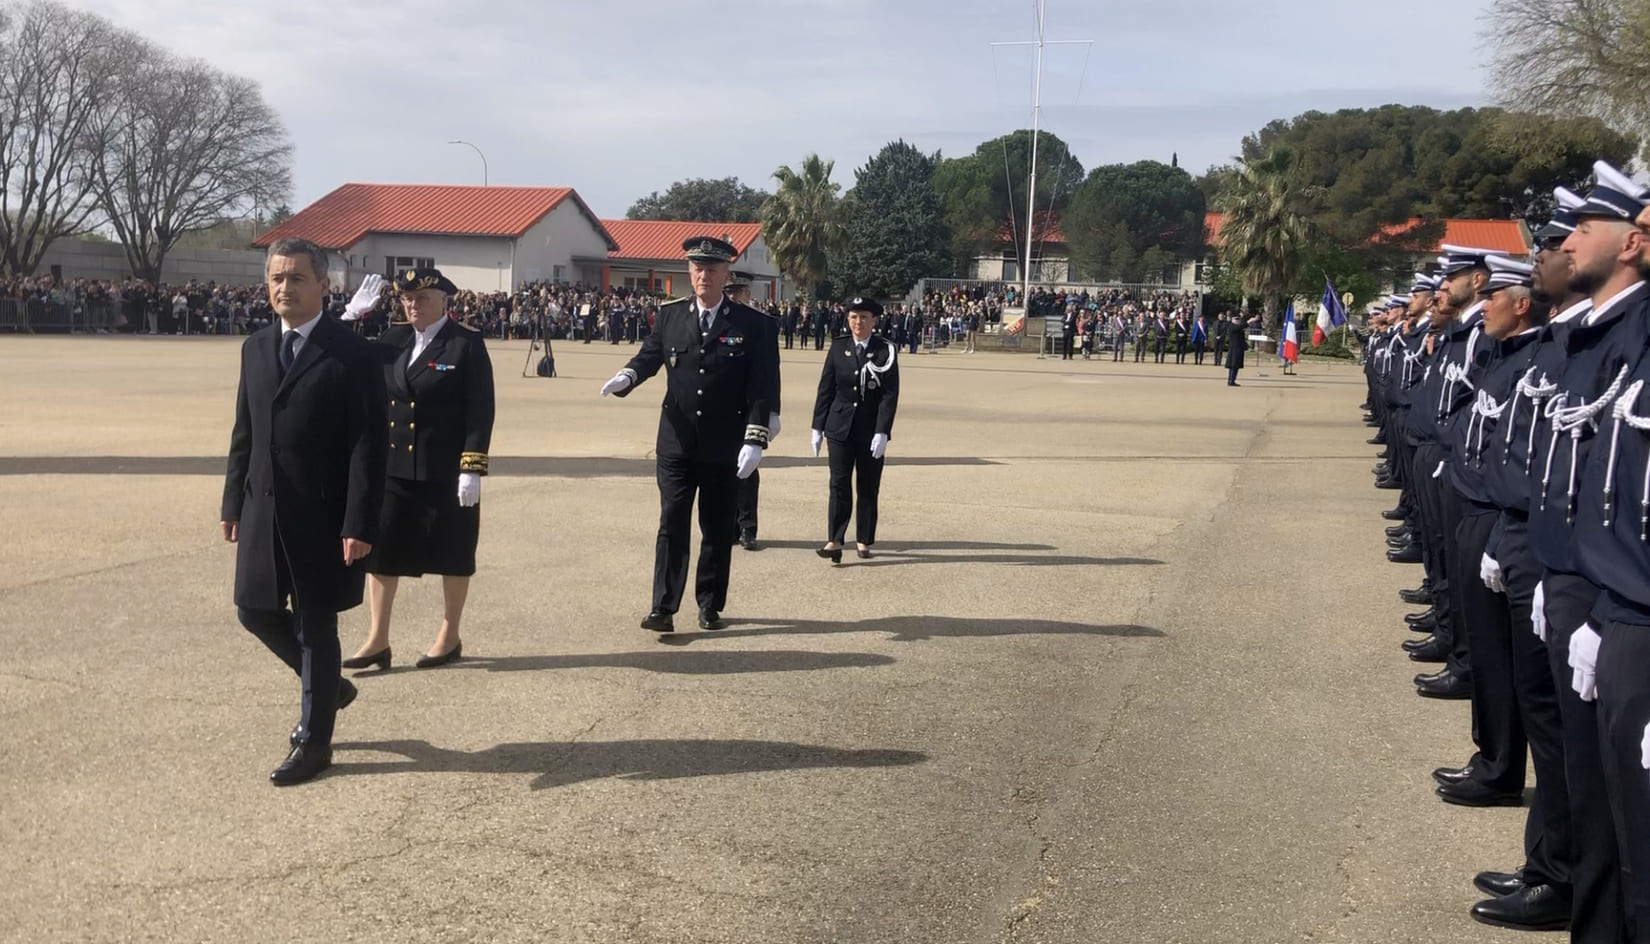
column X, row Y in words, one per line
column 549, row 247
column 473, row 263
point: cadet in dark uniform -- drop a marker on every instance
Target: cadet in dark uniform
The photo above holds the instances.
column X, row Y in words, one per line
column 440, row 384
column 722, row 376
column 739, row 290
column 854, row 412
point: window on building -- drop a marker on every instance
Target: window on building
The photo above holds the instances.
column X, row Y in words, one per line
column 395, row 265
column 558, row 273
column 1206, row 272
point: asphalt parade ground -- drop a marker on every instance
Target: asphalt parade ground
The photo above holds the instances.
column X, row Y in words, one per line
column 1124, row 668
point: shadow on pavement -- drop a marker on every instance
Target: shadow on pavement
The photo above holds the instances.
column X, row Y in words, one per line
column 561, row 763
column 918, row 628
column 681, row 663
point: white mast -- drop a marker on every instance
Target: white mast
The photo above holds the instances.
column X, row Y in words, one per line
column 1037, row 10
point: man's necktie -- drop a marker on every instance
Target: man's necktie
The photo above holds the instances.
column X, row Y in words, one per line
column 704, row 322
column 289, row 343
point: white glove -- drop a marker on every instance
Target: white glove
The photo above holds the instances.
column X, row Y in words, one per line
column 469, row 489
column 365, row 297
column 619, row 384
column 1489, row 571
column 1584, row 659
column 749, row 458
column 815, row 439
column 773, row 426
column 879, row 445
column 1538, row 611
column 1644, row 748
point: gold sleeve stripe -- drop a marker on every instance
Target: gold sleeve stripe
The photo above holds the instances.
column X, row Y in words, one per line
column 473, row 462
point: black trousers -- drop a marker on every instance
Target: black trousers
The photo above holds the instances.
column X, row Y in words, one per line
column 749, row 490
column 716, row 486
column 1231, row 373
column 1220, row 351
column 1160, row 347
column 1623, row 714
column 1438, row 511
column 789, row 335
column 1598, row 910
column 819, row 339
column 307, row 641
column 1066, row 346
column 1197, row 353
column 1180, row 352
column 853, row 468
column 1139, row 350
column 1117, row 350
column 1485, row 619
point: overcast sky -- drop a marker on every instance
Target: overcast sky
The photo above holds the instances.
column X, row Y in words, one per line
column 618, row 98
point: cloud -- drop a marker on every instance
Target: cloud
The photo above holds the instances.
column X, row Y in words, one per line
column 622, row 97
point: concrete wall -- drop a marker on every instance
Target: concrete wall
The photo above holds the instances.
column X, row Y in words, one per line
column 80, row 259
column 564, row 233
column 473, row 263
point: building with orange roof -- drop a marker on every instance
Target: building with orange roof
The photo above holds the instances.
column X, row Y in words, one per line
column 482, row 238
column 649, row 256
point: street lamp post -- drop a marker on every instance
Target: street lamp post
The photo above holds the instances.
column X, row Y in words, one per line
column 478, row 154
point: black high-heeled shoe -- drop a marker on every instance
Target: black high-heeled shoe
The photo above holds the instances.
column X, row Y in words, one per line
column 379, row 660
column 430, row 662
column 863, row 552
column 834, row 555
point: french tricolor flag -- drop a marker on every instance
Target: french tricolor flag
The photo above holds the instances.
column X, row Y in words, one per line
column 1331, row 313
column 1290, row 349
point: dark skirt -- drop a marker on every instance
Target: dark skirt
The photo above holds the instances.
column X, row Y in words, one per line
column 423, row 530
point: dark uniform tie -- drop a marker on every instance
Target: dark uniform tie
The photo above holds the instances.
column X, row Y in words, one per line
column 289, row 342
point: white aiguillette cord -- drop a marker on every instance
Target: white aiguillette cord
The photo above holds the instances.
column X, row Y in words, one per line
column 1484, row 409
column 1572, row 420
column 1536, row 392
column 1623, row 413
column 871, row 370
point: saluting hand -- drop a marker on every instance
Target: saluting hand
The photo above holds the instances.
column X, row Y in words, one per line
column 355, row 550
column 365, row 298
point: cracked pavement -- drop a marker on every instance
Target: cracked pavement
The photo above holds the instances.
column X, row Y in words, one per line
column 1125, row 668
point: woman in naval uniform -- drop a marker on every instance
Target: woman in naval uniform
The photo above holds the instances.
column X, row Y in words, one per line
column 440, row 384
column 854, row 413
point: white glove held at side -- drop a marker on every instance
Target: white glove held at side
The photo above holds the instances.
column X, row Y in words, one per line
column 619, row 384
column 1584, row 659
column 815, row 439
column 1489, row 570
column 749, row 458
column 1538, row 611
column 879, row 445
column 469, row 489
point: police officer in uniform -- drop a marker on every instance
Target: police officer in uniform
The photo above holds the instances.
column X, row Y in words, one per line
column 722, row 377
column 440, row 383
column 739, row 290
column 854, row 412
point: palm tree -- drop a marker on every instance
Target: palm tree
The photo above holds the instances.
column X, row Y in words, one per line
column 1265, row 233
column 802, row 221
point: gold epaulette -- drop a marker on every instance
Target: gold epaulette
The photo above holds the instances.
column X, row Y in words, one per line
column 473, row 462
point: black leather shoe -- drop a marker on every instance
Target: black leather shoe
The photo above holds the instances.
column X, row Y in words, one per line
column 1416, row 597
column 1382, row 470
column 1454, row 775
column 379, row 660
column 1531, row 908
column 1410, row 645
column 451, row 655
column 1498, row 884
column 832, row 554
column 1396, row 514
column 1426, row 615
column 1429, row 625
column 1408, row 554
column 304, row 763
column 1444, row 685
column 1399, row 530
column 1432, row 650
column 863, row 553
column 659, row 622
column 1376, row 440
column 710, row 620
column 1390, row 484
column 1470, row 792
column 747, row 540
column 346, row 693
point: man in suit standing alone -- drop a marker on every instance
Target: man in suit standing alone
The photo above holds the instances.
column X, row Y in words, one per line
column 302, row 495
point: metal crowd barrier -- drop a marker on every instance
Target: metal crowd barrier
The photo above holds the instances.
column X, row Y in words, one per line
column 38, row 315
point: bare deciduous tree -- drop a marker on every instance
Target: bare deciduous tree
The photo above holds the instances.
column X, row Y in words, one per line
column 184, row 148
column 1568, row 56
column 58, row 68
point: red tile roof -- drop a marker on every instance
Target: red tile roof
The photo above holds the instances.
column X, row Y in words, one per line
column 339, row 219
column 663, row 239
column 1508, row 236
column 1048, row 230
